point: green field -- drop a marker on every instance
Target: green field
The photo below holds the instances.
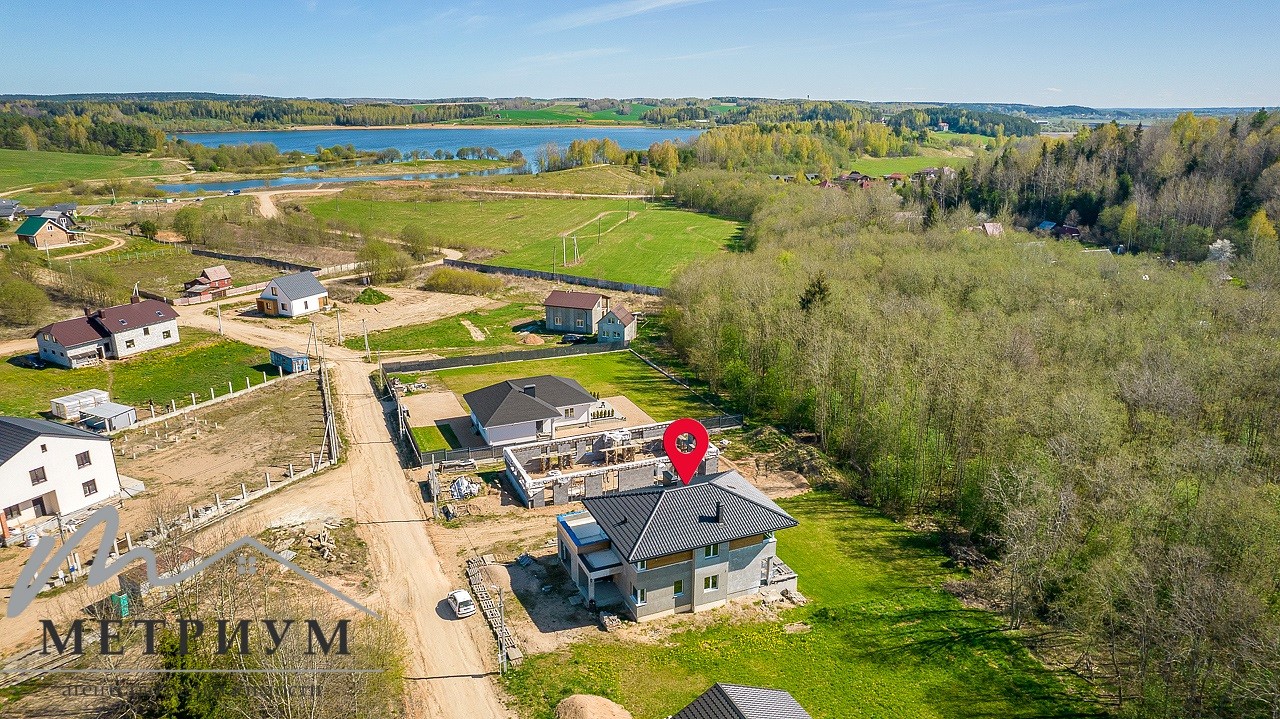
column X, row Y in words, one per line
column 535, row 233
column 447, row 336
column 880, row 166
column 590, row 179
column 161, row 268
column 885, row 642
column 607, row 375
column 200, row 361
column 435, row 438
column 20, row 168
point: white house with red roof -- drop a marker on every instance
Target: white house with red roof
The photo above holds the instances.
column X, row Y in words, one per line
column 110, row 333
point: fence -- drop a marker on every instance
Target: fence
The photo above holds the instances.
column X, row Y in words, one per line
column 558, row 277
column 173, row 410
column 254, row 259
column 512, row 356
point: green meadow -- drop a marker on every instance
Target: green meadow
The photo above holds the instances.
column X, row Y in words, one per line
column 22, row 168
column 880, row 166
column 448, row 336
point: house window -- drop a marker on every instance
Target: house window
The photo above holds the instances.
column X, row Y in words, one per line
column 44, row 448
column 128, row 344
column 90, row 488
column 642, row 565
column 711, row 583
column 564, row 553
column 283, row 306
column 166, row 334
column 638, row 596
column 82, row 460
column 568, row 413
column 678, row 588
column 273, row 290
column 580, row 322
column 711, row 551
column 146, row 331
column 11, row 512
column 306, row 304
column 557, row 319
column 37, row 476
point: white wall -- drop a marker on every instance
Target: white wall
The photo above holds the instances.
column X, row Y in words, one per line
column 304, row 306
column 144, row 338
column 55, row 353
column 64, row 478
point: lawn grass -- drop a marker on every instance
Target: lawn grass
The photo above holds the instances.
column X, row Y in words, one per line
column 20, row 168
column 607, row 375
column 161, row 268
column 880, row 166
column 430, row 439
column 885, row 641
column 447, row 336
column 589, row 179
column 200, row 361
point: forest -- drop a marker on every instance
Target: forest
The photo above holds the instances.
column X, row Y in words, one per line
column 1103, row 429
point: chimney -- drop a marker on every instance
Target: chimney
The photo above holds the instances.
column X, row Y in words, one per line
column 88, row 312
column 135, row 300
column 719, row 513
column 531, row 390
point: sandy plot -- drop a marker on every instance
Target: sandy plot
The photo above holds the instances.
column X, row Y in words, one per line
column 442, row 407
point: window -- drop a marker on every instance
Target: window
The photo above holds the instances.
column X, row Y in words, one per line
column 711, row 583
column 568, row 413
column 678, row 588
column 284, row 306
column 82, row 460
column 146, row 331
column 273, row 290
column 642, row 565
column 306, row 304
column 128, row 344
column 557, row 319
column 44, row 448
column 37, row 476
column 166, row 334
column 638, row 596
column 90, row 487
column 11, row 512
column 580, row 322
column 711, row 551
column 564, row 553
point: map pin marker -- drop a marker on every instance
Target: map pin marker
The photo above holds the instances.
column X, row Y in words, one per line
column 686, row 463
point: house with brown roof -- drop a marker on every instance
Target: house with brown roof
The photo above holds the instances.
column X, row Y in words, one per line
column 618, row 325
column 576, row 312
column 110, row 333
column 211, row 279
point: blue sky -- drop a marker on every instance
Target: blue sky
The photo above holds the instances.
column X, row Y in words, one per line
column 1107, row 53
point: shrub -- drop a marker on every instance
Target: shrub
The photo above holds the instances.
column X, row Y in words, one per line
column 370, row 296
column 461, row 282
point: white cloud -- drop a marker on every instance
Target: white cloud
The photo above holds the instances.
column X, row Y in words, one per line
column 608, row 13
column 1054, row 90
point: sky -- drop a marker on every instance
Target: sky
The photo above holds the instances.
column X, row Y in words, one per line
column 1100, row 53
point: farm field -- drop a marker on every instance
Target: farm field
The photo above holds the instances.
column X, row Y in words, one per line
column 162, row 268
column 589, row 179
column 880, row 166
column 607, row 375
column 883, row 640
column 200, row 361
column 20, row 168
column 448, row 336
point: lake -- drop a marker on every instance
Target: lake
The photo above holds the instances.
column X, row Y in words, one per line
column 428, row 139
column 314, row 178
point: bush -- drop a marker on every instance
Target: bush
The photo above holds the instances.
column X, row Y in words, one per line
column 461, row 282
column 21, row 302
column 370, row 296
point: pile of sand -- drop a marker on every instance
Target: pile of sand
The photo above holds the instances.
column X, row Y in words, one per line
column 531, row 339
column 589, row 706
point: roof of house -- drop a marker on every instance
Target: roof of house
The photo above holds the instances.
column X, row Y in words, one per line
column 74, row 332
column 9, row 204
column 297, row 286
column 1046, row 225
column 573, row 300
column 142, row 313
column 215, row 273
column 624, row 315
column 106, row 410
column 18, row 432
column 734, row 701
column 652, row 522
column 508, row 402
column 33, row 225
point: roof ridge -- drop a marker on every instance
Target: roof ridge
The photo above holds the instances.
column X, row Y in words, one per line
column 733, row 705
column 662, row 495
column 749, row 499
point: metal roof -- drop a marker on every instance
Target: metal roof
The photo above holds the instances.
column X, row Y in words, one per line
column 653, row 522
column 289, row 352
column 106, row 410
column 735, row 701
column 215, row 273
column 18, row 432
column 573, row 300
column 297, row 286
column 624, row 315
column 508, row 402
column 142, row 313
column 31, row 226
column 73, row 332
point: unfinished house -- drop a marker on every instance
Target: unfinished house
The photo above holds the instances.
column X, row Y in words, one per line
column 559, row 471
column 668, row 550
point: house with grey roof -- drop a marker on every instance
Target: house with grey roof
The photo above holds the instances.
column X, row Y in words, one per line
column 735, row 701
column 524, row 410
column 49, row 468
column 109, row 333
column 293, row 296
column 9, row 209
column 681, row 548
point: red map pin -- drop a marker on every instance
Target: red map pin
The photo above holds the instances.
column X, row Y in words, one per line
column 686, row 463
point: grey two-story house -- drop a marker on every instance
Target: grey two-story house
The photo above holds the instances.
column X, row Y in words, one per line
column 574, row 312
column 683, row 548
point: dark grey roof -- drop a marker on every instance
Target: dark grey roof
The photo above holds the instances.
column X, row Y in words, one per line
column 734, row 701
column 648, row 523
column 298, row 286
column 18, row 432
column 508, row 403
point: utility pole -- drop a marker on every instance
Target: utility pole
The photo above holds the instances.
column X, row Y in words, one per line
column 338, row 312
column 564, row 252
column 367, row 353
column 219, row 310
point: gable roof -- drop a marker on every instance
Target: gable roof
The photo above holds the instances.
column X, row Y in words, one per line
column 508, row 403
column 144, row 313
column 735, row 701
column 32, row 225
column 652, row 522
column 215, row 273
column 573, row 300
column 18, row 432
column 74, row 332
column 624, row 315
column 297, row 286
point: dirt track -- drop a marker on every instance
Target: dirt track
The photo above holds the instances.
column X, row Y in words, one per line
column 267, row 206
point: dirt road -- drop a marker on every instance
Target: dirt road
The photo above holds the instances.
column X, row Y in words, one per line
column 116, row 243
column 267, row 206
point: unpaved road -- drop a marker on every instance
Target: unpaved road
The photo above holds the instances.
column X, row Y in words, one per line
column 116, row 243
column 267, row 206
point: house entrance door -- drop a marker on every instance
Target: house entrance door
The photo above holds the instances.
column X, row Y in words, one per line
column 38, row 505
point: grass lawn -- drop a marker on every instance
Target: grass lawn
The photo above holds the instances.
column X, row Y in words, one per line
column 200, row 361
column 884, row 642
column 590, row 179
column 447, row 336
column 881, row 166
column 431, row 439
column 614, row 373
column 20, row 168
column 161, row 268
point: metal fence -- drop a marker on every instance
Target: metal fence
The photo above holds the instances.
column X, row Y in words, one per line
column 496, row 357
column 558, row 277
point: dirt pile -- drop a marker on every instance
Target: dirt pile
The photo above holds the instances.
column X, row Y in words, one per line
column 589, row 706
column 532, row 339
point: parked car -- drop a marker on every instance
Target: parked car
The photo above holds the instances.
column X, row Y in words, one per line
column 462, row 603
column 31, row 361
column 574, row 339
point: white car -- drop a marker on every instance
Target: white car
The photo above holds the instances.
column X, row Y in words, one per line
column 462, row 603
